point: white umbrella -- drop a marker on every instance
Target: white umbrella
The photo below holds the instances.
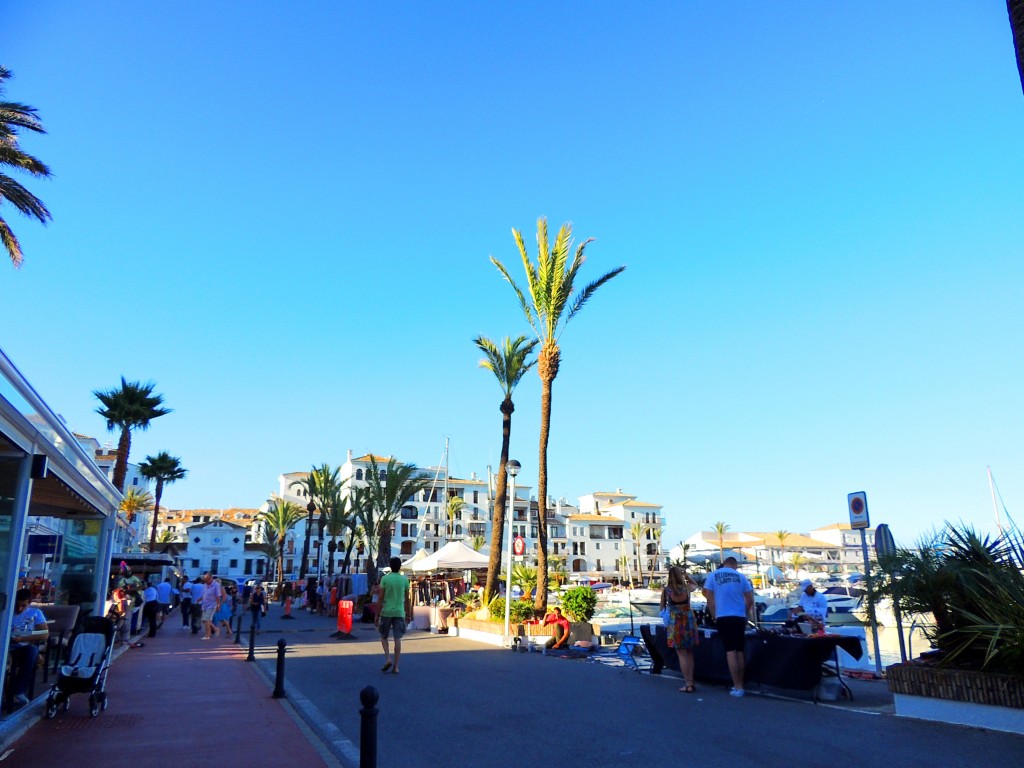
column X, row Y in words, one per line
column 453, row 556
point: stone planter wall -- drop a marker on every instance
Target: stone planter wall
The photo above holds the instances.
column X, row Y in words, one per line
column 956, row 696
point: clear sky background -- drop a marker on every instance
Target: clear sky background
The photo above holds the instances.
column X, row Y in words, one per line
column 282, row 215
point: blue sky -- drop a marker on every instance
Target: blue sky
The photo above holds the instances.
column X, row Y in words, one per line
column 283, row 214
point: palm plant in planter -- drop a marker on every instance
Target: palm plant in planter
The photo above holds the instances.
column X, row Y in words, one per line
column 974, row 587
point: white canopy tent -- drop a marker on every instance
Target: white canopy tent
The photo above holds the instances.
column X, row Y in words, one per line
column 452, row 556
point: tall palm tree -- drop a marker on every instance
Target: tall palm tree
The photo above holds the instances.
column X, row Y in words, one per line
column 720, row 528
column 164, row 469
column 550, row 283
column 277, row 519
column 455, row 505
column 131, row 407
column 339, row 518
column 15, row 117
column 657, row 531
column 509, row 363
column 637, row 530
column 321, row 486
column 1015, row 8
column 361, row 511
column 387, row 497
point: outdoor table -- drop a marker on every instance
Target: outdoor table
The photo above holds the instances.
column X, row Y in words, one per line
column 781, row 661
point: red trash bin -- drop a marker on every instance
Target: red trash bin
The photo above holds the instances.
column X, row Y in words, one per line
column 345, row 616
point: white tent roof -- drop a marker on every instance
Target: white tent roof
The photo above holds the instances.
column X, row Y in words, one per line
column 452, row 556
column 420, row 554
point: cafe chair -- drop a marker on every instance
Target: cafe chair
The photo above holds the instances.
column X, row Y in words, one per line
column 61, row 620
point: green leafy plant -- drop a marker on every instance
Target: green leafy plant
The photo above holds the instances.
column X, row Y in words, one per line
column 518, row 612
column 578, row 603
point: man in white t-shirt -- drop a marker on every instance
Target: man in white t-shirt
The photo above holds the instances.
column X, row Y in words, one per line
column 730, row 597
column 813, row 605
column 28, row 630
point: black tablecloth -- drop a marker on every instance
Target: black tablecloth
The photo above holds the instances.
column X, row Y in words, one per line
column 781, row 661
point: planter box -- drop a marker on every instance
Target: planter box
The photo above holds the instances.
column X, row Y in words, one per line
column 958, row 696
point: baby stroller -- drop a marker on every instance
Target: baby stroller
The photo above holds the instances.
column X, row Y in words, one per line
column 86, row 667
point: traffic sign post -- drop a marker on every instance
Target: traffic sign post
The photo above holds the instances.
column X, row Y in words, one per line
column 857, row 504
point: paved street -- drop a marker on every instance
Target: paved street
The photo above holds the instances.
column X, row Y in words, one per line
column 458, row 703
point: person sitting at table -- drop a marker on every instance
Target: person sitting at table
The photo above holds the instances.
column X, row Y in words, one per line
column 28, row 630
column 559, row 629
column 813, row 606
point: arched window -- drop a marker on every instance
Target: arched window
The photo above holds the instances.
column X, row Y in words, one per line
column 383, row 474
column 359, row 474
column 407, row 547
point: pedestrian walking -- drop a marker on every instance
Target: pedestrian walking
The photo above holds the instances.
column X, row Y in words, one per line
column 257, row 605
column 151, row 608
column 396, row 611
column 212, row 597
column 186, row 602
column 196, row 613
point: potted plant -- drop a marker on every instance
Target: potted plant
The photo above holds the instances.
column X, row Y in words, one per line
column 973, row 586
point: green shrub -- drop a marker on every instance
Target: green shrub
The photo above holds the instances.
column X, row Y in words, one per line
column 578, row 603
column 518, row 612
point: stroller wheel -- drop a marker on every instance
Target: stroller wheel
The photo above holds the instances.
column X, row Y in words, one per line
column 66, row 704
column 51, row 708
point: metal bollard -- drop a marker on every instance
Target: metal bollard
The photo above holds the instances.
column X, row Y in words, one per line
column 368, row 727
column 252, row 643
column 279, row 679
column 238, row 631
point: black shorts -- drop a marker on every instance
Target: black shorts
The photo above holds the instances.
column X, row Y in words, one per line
column 732, row 630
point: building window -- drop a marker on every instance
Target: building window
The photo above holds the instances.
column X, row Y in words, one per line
column 359, row 474
column 232, row 564
column 476, row 497
column 135, row 481
column 383, row 475
column 214, row 565
column 248, row 567
column 195, row 563
column 259, row 567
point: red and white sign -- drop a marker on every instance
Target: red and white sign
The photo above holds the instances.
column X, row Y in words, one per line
column 858, row 504
column 518, row 546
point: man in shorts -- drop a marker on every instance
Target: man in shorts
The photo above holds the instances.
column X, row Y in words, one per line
column 730, row 597
column 395, row 610
column 213, row 596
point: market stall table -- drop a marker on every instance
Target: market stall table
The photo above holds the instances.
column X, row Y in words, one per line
column 781, row 661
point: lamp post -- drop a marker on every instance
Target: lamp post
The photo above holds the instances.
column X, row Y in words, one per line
column 322, row 523
column 511, row 469
column 310, row 509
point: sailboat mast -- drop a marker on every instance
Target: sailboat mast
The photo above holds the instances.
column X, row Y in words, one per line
column 448, row 521
column 995, row 507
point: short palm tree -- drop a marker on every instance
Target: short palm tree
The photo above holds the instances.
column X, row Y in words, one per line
column 339, row 518
column 15, row 117
column 478, row 542
column 131, row 407
column 164, row 469
column 277, row 519
column 509, row 363
column 720, row 528
column 133, row 502
column 550, row 283
column 782, row 536
column 455, row 505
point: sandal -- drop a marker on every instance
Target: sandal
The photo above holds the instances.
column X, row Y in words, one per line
column 688, row 689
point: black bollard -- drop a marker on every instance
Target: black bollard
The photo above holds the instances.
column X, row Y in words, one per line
column 252, row 643
column 238, row 631
column 279, row 680
column 368, row 727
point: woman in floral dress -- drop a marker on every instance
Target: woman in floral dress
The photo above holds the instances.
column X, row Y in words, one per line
column 682, row 629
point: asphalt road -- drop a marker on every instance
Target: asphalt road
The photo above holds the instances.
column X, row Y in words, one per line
column 458, row 703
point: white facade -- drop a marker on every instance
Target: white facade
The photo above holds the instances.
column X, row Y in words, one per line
column 603, row 533
column 220, row 547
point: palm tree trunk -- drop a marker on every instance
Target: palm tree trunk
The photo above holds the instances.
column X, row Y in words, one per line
column 124, row 446
column 156, row 512
column 280, row 564
column 541, row 601
column 500, row 505
column 1015, row 9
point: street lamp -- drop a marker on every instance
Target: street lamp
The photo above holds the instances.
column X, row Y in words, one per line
column 310, row 509
column 322, row 523
column 512, row 469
